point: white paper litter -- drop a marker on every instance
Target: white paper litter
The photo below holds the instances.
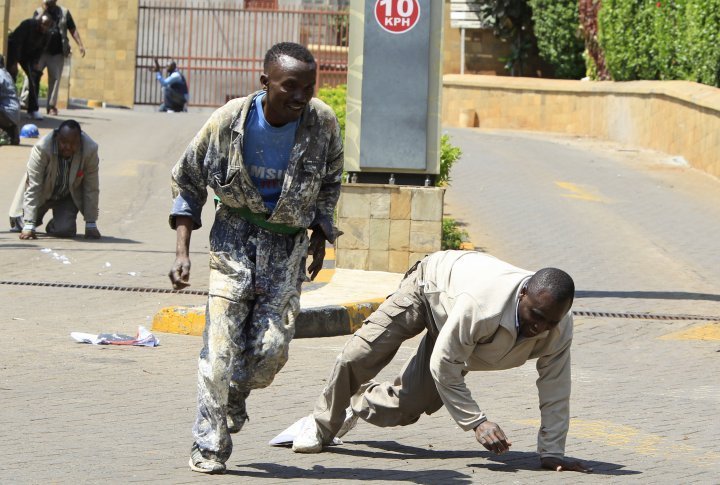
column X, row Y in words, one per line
column 287, row 437
column 143, row 338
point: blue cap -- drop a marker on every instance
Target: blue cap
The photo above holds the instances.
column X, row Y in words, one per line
column 29, row 131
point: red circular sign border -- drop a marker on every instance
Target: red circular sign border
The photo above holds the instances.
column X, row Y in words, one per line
column 375, row 10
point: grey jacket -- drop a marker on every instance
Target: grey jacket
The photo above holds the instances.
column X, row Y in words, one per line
column 473, row 299
column 42, row 172
column 214, row 158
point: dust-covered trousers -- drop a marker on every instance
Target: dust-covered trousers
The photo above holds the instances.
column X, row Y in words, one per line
column 403, row 315
column 254, row 291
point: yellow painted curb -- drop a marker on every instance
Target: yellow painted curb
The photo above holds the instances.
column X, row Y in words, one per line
column 182, row 320
column 185, row 320
column 358, row 312
column 94, row 103
column 710, row 331
column 467, row 246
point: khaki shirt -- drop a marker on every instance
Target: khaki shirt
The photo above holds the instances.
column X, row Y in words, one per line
column 311, row 187
column 473, row 299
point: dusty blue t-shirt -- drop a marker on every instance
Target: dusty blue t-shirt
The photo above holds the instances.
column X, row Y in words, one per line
column 266, row 152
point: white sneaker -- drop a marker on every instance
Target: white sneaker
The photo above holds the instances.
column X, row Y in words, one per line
column 351, row 420
column 308, row 439
column 36, row 115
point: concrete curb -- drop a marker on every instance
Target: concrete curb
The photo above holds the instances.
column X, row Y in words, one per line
column 325, row 321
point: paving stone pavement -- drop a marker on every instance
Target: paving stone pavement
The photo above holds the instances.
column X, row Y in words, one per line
column 644, row 408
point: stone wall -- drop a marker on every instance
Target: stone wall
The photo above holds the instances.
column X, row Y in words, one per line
column 109, row 33
column 676, row 117
column 387, row 227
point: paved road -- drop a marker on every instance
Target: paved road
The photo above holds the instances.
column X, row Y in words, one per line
column 637, row 232
column 645, row 403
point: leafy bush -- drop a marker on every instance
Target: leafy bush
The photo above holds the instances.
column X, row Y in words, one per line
column 661, row 39
column 512, row 22
column 452, row 235
column 336, row 98
column 449, row 154
column 556, row 25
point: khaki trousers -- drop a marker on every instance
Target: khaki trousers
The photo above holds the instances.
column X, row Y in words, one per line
column 401, row 316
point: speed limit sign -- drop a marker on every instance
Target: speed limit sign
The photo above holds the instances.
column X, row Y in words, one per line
column 397, row 16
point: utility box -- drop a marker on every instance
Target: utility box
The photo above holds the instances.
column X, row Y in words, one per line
column 394, row 91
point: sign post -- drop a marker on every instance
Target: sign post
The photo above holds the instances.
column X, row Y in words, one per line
column 394, row 90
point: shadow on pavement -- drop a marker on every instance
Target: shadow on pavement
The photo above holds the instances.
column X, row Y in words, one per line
column 394, row 451
column 42, row 237
column 647, row 295
column 108, row 240
column 514, row 461
column 319, row 472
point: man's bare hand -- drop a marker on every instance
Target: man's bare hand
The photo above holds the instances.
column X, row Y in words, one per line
column 317, row 250
column 29, row 234
column 180, row 273
column 492, row 437
column 560, row 465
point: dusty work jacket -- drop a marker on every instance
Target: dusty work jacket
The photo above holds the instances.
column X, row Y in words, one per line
column 473, row 300
column 42, row 171
column 311, row 187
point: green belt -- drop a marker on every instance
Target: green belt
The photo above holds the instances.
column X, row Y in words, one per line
column 260, row 220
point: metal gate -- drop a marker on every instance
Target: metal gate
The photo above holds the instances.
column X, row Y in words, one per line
column 219, row 46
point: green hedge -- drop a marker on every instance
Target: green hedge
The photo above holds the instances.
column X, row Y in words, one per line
column 663, row 40
column 336, row 98
column 557, row 28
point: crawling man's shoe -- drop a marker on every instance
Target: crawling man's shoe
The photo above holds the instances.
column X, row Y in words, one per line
column 198, row 463
column 308, row 439
column 351, row 420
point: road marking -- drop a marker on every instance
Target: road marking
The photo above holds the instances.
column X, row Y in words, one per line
column 577, row 192
column 127, row 168
column 710, row 331
column 632, row 439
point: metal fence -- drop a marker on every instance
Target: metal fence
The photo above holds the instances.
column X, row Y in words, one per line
column 219, row 46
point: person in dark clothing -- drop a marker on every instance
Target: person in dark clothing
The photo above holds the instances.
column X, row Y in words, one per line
column 56, row 50
column 9, row 108
column 175, row 88
column 25, row 46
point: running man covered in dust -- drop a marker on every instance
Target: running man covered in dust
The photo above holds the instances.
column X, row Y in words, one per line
column 274, row 160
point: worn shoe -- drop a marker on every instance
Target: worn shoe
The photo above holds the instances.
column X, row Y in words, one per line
column 308, row 440
column 351, row 420
column 36, row 115
column 235, row 423
column 198, row 463
column 52, row 111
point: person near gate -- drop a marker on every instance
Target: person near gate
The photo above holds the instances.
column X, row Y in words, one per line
column 62, row 176
column 274, row 160
column 9, row 108
column 25, row 46
column 56, row 51
column 174, row 87
column 479, row 314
